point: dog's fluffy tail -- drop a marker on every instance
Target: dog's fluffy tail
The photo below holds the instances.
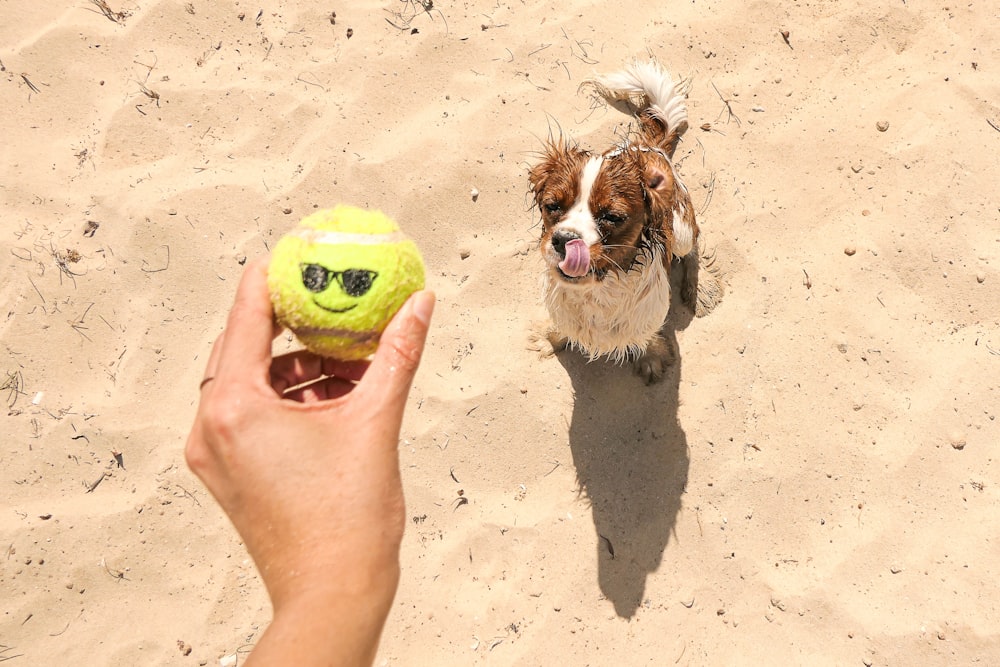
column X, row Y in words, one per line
column 648, row 86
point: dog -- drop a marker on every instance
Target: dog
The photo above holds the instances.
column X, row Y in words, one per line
column 612, row 225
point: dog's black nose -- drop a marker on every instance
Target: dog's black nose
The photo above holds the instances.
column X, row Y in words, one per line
column 560, row 238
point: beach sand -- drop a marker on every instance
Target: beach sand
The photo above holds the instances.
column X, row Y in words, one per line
column 816, row 482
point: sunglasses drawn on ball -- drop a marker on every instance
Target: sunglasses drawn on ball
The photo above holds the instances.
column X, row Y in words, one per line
column 354, row 282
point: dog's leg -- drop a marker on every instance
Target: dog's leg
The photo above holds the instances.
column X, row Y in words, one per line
column 701, row 289
column 660, row 355
column 546, row 340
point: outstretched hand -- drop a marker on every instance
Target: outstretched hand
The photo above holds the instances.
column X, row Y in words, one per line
column 301, row 453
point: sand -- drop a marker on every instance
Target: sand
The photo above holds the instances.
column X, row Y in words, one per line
column 816, row 482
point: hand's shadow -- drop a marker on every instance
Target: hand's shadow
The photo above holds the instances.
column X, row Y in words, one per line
column 631, row 459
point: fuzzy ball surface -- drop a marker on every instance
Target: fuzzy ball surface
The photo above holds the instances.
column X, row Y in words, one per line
column 337, row 279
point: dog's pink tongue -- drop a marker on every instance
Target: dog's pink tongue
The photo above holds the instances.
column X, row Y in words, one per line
column 577, row 261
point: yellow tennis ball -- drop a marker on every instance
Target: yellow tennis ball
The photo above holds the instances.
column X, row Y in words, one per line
column 337, row 279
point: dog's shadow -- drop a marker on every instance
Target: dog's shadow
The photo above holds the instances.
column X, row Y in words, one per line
column 631, row 459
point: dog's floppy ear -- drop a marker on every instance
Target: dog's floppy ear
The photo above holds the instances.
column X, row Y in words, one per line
column 654, row 176
column 658, row 177
column 659, row 190
column 659, row 187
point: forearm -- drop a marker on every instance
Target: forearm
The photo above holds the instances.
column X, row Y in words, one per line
column 326, row 629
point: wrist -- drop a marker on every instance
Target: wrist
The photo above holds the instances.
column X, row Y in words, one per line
column 327, row 622
column 325, row 582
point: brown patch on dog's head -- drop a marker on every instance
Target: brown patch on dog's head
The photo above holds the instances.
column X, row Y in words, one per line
column 554, row 182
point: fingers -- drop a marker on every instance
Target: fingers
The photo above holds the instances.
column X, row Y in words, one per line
column 246, row 353
column 322, row 390
column 296, row 368
column 387, row 382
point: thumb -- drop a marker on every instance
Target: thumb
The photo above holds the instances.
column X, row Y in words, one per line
column 386, row 383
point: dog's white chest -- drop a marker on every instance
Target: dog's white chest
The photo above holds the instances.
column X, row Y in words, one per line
column 615, row 317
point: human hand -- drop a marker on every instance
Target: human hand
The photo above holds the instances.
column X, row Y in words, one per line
column 309, row 475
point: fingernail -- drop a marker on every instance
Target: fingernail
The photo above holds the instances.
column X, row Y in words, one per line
column 423, row 306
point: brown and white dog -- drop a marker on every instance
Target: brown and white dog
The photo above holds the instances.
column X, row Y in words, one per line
column 613, row 223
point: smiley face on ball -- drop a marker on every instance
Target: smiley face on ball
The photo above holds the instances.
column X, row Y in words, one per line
column 350, row 283
column 347, row 285
column 339, row 277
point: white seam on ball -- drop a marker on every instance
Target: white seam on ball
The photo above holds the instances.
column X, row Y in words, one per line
column 335, row 238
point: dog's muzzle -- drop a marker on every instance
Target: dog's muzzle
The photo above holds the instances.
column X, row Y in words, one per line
column 573, row 251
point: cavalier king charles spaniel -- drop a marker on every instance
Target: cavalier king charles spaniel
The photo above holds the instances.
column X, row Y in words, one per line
column 612, row 225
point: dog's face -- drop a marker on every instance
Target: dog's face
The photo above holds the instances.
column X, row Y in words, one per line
column 599, row 212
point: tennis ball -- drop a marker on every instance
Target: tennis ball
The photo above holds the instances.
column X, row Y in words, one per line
column 338, row 278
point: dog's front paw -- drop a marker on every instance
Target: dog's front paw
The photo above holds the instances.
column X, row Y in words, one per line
column 709, row 294
column 701, row 285
column 545, row 340
column 652, row 364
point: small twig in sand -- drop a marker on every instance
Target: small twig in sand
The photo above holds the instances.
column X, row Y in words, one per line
column 708, row 199
column 537, row 87
column 84, row 315
column 729, row 108
column 79, row 328
column 63, row 260
column 993, row 125
column 14, row 386
column 93, row 485
column 165, row 267
column 403, row 18
column 189, row 495
column 312, row 83
column 103, row 8
column 149, row 68
column 5, row 649
column 151, row 94
column 583, row 56
column 37, row 290
column 28, row 81
column 56, row 634
column 117, row 574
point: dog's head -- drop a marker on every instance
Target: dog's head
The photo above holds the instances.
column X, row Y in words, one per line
column 602, row 213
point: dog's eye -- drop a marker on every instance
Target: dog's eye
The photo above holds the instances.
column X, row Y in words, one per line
column 552, row 207
column 612, row 218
